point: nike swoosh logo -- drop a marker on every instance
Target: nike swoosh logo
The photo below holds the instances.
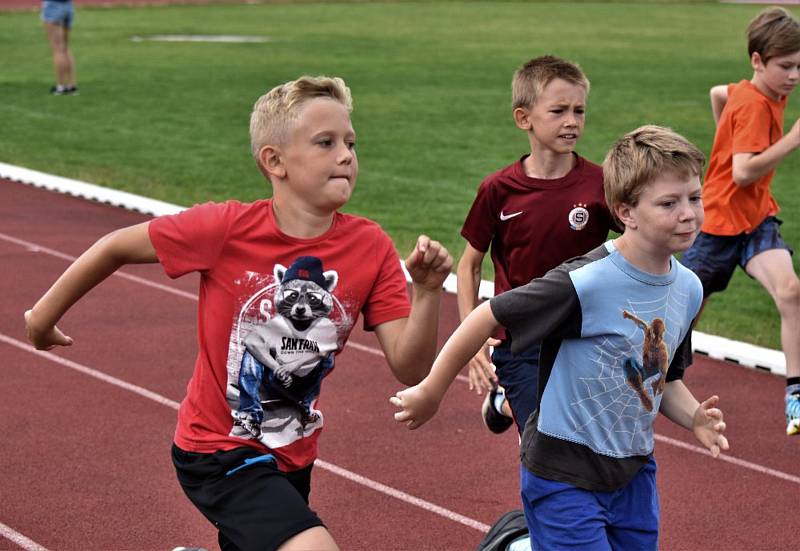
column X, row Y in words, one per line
column 504, row 217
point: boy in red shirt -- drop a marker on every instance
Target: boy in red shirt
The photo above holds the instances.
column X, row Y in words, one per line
column 283, row 281
column 740, row 212
column 536, row 213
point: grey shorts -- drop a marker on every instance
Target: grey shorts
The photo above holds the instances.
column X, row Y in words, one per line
column 714, row 257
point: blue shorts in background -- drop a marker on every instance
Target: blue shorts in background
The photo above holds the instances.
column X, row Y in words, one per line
column 519, row 377
column 563, row 516
column 714, row 257
column 59, row 13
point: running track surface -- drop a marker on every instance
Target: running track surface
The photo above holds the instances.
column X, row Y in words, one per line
column 85, row 460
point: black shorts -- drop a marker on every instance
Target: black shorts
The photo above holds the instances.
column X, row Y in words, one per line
column 253, row 504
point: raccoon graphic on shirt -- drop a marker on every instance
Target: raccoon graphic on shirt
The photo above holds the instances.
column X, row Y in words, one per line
column 285, row 342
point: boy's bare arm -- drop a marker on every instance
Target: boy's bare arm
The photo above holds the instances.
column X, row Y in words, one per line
column 419, row 403
column 481, row 373
column 129, row 245
column 410, row 343
column 704, row 420
column 719, row 97
column 749, row 167
column 468, row 276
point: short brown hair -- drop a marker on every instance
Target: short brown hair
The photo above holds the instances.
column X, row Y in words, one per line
column 274, row 112
column 530, row 79
column 641, row 156
column 773, row 33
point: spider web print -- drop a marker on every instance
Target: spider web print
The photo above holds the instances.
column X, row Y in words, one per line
column 610, row 405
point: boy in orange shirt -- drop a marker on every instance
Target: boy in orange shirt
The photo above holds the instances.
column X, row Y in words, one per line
column 740, row 224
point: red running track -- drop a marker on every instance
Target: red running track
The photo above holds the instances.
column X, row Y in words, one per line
column 85, row 462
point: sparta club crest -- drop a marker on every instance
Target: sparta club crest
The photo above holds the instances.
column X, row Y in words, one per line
column 578, row 217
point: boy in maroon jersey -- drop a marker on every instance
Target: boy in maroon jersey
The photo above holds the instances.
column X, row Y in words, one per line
column 536, row 213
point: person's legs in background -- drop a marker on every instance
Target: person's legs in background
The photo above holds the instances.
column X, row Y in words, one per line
column 57, row 19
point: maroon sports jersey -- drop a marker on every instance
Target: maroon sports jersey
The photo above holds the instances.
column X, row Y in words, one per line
column 534, row 225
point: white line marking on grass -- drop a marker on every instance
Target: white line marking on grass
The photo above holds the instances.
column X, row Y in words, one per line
column 162, row 400
column 23, row 541
column 218, row 38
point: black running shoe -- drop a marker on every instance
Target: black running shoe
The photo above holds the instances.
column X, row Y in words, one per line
column 509, row 529
column 495, row 421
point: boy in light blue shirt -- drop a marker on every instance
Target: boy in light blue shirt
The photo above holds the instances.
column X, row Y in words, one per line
column 615, row 327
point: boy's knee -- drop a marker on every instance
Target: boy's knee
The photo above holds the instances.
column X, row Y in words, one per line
column 787, row 296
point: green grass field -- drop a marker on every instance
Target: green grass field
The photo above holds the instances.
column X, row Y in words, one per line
column 431, row 84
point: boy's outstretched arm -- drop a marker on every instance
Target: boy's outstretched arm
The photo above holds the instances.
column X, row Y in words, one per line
column 419, row 403
column 705, row 420
column 129, row 245
column 749, row 167
column 481, row 371
column 410, row 343
column 719, row 97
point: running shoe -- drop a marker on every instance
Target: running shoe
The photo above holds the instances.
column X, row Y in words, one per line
column 59, row 90
column 792, row 414
column 496, row 421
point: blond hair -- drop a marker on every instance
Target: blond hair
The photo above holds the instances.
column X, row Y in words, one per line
column 530, row 79
column 640, row 157
column 773, row 33
column 275, row 111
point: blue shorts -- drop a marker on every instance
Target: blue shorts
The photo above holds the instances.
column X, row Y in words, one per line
column 58, row 13
column 519, row 376
column 562, row 516
column 714, row 257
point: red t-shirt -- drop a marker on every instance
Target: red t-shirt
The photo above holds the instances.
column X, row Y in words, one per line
column 534, row 225
column 750, row 123
column 254, row 284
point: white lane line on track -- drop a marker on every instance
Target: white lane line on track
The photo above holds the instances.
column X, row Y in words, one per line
column 34, row 247
column 716, row 347
column 23, row 541
column 349, row 475
column 665, row 439
column 378, row 352
column 730, row 459
column 353, row 477
column 91, row 372
column 427, row 505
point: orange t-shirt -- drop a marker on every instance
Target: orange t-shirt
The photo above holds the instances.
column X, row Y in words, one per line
column 750, row 123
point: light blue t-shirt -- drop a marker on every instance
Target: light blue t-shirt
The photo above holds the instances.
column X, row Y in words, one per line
column 601, row 380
